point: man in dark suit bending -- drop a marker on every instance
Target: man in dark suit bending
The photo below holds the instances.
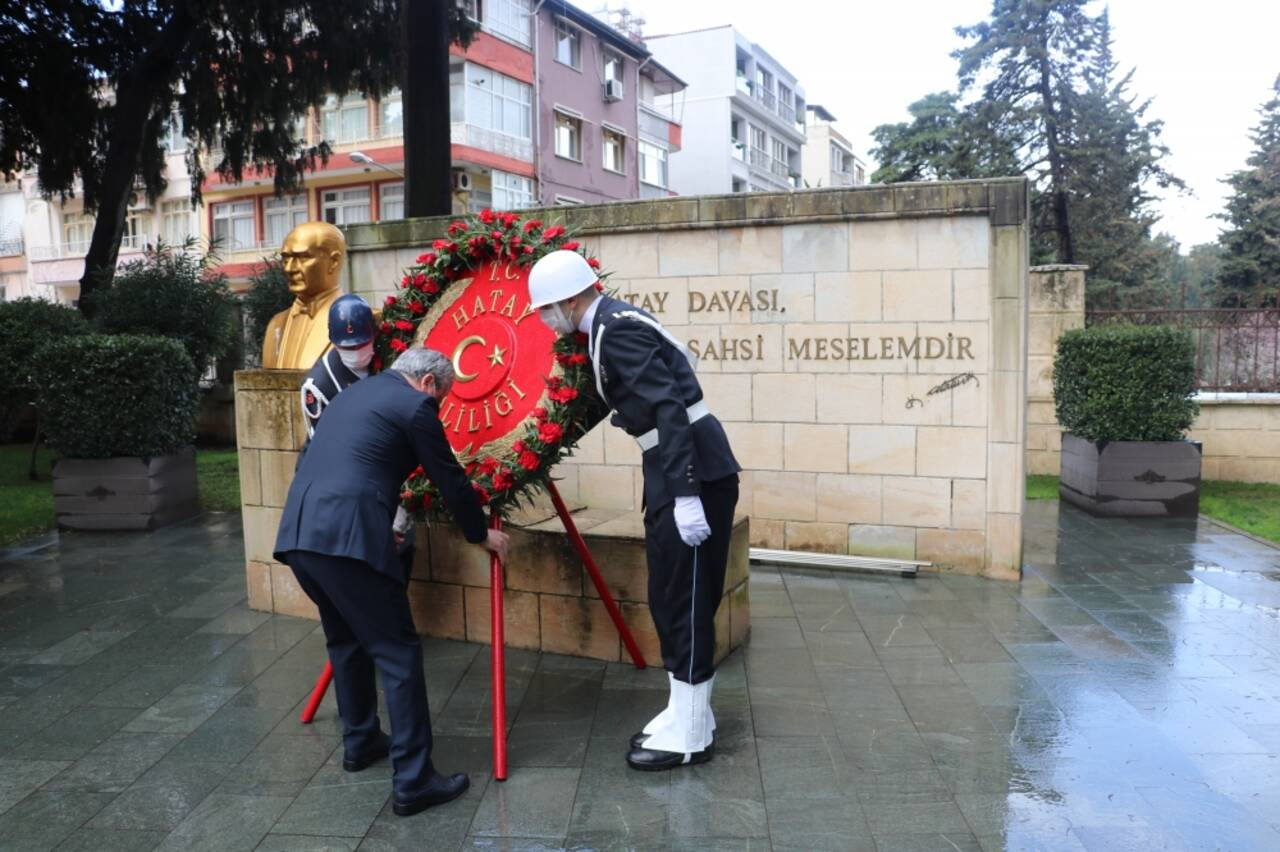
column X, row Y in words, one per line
column 335, row 533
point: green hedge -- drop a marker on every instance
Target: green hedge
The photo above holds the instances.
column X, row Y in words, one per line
column 170, row 293
column 1126, row 383
column 122, row 395
column 25, row 326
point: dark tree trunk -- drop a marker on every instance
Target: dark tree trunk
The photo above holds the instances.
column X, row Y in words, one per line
column 136, row 96
column 425, row 84
column 1057, row 170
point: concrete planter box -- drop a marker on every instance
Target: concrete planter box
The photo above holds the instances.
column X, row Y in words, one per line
column 1131, row 478
column 126, row 493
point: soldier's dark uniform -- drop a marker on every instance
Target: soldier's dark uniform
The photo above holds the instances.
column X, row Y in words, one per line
column 327, row 378
column 647, row 378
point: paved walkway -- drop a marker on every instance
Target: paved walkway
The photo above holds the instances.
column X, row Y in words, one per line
column 1126, row 695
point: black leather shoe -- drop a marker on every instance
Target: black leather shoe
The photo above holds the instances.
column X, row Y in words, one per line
column 381, row 748
column 648, row 760
column 439, row 790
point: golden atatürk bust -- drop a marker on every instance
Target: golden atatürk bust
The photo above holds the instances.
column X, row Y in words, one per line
column 312, row 254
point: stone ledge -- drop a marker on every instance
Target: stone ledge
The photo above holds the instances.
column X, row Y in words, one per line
column 269, row 380
column 1003, row 199
column 1228, row 398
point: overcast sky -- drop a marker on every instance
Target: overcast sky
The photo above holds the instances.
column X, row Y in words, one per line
column 1207, row 67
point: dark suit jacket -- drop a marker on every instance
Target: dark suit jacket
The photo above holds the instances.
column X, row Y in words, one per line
column 347, row 486
column 649, row 384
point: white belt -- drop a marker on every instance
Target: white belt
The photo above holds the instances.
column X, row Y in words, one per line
column 649, row 439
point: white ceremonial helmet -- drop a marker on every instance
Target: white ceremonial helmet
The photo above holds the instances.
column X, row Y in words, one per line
column 559, row 275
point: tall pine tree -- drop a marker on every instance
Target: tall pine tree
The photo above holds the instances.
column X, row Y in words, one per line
column 1251, row 259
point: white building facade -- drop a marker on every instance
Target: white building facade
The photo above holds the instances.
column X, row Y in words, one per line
column 828, row 157
column 743, row 114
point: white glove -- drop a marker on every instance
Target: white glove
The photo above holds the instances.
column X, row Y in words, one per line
column 691, row 521
column 403, row 521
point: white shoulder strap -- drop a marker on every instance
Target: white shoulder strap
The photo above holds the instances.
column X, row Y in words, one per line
column 325, row 360
column 652, row 323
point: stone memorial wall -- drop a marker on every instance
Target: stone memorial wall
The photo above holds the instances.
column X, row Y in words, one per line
column 865, row 348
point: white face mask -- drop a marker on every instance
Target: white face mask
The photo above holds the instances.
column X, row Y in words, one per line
column 357, row 359
column 556, row 319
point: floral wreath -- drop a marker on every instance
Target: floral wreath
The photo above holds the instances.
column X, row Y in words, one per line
column 570, row 405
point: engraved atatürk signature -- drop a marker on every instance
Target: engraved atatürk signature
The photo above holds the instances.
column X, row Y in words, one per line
column 953, row 383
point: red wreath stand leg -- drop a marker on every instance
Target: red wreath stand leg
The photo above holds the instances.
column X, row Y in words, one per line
column 497, row 647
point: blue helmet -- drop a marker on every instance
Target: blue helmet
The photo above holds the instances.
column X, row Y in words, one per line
column 350, row 321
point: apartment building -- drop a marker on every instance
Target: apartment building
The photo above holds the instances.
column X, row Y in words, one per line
column 828, row 158
column 43, row 241
column 548, row 105
column 743, row 114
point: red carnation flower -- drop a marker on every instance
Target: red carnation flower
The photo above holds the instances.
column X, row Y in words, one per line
column 488, row 465
column 529, row 460
column 517, row 447
column 577, row 359
column 404, row 325
column 404, row 282
column 503, row 480
column 441, row 245
column 580, row 338
column 554, row 382
column 406, row 495
column 531, row 224
column 593, row 263
column 599, row 287
column 377, row 363
column 572, row 245
column 539, row 413
column 486, row 216
column 421, row 259
column 455, row 228
column 551, row 233
column 417, row 308
column 431, row 257
column 564, row 394
column 389, row 301
column 431, row 287
column 481, row 492
column 398, row 345
column 527, row 249
column 385, row 328
column 475, row 241
column 451, row 246
column 497, row 236
column 550, row 433
column 417, row 471
column 419, row 280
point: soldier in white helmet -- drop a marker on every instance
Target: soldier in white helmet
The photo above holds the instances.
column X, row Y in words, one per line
column 647, row 378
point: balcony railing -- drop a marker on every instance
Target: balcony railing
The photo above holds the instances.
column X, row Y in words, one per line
column 11, row 248
column 766, row 97
column 760, row 158
column 79, row 248
column 787, row 111
column 842, row 178
column 491, row 141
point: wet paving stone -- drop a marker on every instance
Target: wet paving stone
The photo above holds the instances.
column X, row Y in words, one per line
column 1124, row 695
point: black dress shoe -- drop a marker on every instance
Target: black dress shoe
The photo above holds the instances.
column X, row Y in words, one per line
column 649, row 760
column 381, row 748
column 439, row 790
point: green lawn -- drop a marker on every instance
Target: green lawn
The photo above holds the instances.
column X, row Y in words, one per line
column 26, row 507
column 1252, row 507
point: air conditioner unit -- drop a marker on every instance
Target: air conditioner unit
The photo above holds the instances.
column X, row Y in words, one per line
column 461, row 181
column 613, row 90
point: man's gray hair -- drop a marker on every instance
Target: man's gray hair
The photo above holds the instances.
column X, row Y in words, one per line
column 418, row 361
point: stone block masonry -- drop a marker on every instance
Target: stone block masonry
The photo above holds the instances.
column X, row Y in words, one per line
column 866, row 349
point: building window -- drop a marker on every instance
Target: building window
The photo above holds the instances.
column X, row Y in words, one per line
column 739, row 185
column 391, row 201
column 511, row 192
column 391, row 114
column 614, row 145
column 568, row 136
column 282, row 215
column 175, row 141
column 345, row 119
column 176, row 226
column 233, row 225
column 498, row 102
column 653, row 165
column 77, row 230
column 509, row 19
column 346, row 206
column 568, row 44
column 137, row 231
column 613, row 67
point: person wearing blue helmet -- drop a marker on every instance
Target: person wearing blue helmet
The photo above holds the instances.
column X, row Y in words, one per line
column 351, row 330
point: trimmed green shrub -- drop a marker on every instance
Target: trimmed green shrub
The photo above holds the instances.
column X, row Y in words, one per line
column 267, row 296
column 26, row 325
column 1121, row 382
column 172, row 294
column 117, row 395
